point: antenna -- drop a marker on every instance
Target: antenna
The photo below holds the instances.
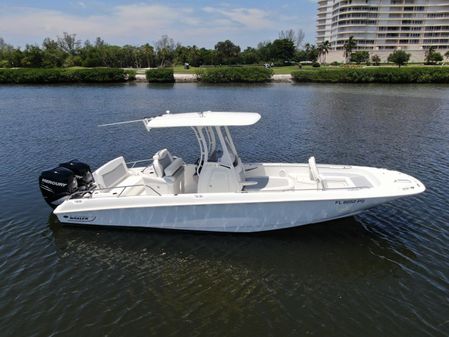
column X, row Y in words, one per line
column 125, row 122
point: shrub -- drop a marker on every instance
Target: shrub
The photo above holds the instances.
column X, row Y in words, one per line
column 432, row 57
column 360, row 57
column 335, row 63
column 374, row 75
column 234, row 74
column 316, row 65
column 399, row 57
column 63, row 75
column 376, row 60
column 160, row 75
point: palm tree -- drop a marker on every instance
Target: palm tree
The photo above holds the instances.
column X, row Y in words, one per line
column 349, row 46
column 323, row 49
column 446, row 55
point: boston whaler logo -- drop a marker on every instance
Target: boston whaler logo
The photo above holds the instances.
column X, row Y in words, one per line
column 79, row 218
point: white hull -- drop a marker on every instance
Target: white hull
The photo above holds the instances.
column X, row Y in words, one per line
column 250, row 217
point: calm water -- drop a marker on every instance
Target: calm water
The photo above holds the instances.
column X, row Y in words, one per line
column 385, row 272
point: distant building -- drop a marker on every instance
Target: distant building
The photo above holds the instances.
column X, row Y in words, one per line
column 381, row 26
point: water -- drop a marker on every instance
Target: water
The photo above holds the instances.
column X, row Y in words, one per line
column 384, row 272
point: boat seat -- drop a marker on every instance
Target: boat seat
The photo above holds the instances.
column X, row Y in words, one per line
column 164, row 164
column 315, row 174
column 114, row 175
column 168, row 177
column 161, row 160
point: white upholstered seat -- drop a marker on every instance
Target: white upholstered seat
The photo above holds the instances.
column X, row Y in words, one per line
column 165, row 165
column 115, row 175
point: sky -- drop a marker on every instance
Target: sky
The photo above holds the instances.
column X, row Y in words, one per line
column 199, row 22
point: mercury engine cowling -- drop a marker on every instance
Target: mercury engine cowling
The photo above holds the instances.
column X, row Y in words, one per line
column 82, row 173
column 57, row 184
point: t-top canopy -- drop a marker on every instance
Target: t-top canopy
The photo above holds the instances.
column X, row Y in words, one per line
column 206, row 118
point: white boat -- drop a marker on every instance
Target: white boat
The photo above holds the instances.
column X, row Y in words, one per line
column 218, row 193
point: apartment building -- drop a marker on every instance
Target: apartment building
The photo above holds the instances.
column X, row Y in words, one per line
column 381, row 26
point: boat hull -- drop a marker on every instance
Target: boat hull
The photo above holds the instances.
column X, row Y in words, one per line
column 237, row 217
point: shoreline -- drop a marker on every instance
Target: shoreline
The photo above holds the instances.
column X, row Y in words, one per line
column 192, row 78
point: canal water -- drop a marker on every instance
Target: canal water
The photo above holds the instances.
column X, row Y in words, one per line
column 383, row 273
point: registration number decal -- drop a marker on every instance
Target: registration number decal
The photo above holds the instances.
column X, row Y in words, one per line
column 350, row 202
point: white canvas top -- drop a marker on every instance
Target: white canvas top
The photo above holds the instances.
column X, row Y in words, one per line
column 207, row 118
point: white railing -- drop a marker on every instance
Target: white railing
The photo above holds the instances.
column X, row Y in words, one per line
column 133, row 163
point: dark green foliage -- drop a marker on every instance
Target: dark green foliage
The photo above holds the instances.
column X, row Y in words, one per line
column 234, row 74
column 376, row 60
column 61, row 75
column 374, row 75
column 227, row 52
column 399, row 57
column 316, row 65
column 432, row 57
column 282, row 50
column 360, row 57
column 160, row 75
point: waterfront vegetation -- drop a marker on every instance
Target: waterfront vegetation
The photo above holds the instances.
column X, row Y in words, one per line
column 160, row 75
column 65, row 75
column 251, row 74
column 68, row 51
column 411, row 74
column 66, row 59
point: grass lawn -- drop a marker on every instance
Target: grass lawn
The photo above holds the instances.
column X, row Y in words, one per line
column 284, row 70
column 179, row 69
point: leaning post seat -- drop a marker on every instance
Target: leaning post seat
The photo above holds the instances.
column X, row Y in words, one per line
column 165, row 165
column 115, row 174
column 168, row 173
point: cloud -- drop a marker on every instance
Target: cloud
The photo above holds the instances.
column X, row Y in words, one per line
column 252, row 18
column 144, row 22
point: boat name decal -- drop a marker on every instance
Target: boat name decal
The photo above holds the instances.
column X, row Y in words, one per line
column 349, row 202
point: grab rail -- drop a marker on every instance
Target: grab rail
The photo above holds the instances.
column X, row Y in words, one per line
column 133, row 163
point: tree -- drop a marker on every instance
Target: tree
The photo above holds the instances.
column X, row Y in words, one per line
column 165, row 47
column 296, row 37
column 432, row 57
column 148, row 54
column 446, row 55
column 249, row 56
column 227, row 52
column 348, row 47
column 311, row 52
column 282, row 50
column 264, row 51
column 399, row 57
column 376, row 60
column 53, row 55
column 360, row 57
column 5, row 51
column 69, row 44
column 323, row 50
column 32, row 56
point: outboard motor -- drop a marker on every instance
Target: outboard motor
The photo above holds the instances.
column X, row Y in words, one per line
column 82, row 173
column 57, row 185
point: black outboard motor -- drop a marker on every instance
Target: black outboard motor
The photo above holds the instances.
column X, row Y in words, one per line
column 82, row 173
column 57, row 185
